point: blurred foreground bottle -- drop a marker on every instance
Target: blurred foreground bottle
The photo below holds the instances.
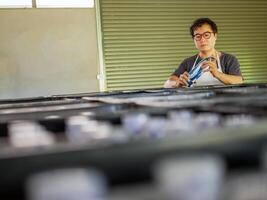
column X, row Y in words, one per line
column 67, row 184
column 190, row 178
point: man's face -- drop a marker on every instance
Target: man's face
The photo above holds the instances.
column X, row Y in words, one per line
column 204, row 38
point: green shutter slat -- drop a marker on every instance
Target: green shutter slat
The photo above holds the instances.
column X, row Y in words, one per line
column 138, row 77
column 144, row 65
column 145, row 40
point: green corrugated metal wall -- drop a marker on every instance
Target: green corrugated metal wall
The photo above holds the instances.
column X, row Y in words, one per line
column 145, row 40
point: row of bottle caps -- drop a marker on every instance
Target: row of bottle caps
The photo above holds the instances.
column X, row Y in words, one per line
column 190, row 177
column 83, row 129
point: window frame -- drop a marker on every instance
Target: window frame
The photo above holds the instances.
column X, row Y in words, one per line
column 16, row 4
column 59, row 4
column 50, row 4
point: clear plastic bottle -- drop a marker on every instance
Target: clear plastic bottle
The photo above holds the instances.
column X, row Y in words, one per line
column 134, row 123
column 81, row 129
column 29, row 134
column 196, row 177
column 197, row 71
column 67, row 184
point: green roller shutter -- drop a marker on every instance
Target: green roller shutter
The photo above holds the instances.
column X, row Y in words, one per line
column 143, row 41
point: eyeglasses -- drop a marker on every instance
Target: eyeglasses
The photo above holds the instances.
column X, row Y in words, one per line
column 205, row 35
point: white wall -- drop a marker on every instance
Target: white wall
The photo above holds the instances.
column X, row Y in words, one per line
column 47, row 51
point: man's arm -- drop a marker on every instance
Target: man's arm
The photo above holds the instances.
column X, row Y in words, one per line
column 229, row 79
column 226, row 79
column 180, row 77
column 172, row 82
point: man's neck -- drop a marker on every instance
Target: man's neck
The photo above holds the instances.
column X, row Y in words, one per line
column 205, row 54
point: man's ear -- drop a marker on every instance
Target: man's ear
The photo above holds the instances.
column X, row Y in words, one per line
column 216, row 36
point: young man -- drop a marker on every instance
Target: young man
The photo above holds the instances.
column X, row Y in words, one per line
column 223, row 69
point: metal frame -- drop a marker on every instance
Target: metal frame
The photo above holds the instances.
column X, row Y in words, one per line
column 102, row 75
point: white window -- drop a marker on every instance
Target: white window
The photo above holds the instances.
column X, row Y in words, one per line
column 15, row 3
column 65, row 3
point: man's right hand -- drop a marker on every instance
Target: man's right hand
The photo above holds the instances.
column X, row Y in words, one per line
column 171, row 84
column 175, row 81
column 183, row 79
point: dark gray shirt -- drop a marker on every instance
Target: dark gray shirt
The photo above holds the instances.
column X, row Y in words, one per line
column 229, row 64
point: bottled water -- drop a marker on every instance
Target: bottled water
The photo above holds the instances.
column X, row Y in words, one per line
column 190, row 178
column 67, row 184
column 197, row 71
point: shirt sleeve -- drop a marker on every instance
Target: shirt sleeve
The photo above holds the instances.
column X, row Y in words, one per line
column 181, row 69
column 233, row 66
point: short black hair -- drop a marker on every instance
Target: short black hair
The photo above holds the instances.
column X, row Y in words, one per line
column 200, row 22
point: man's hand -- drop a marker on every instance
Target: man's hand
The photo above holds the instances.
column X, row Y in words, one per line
column 183, row 79
column 211, row 66
column 175, row 81
column 170, row 84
